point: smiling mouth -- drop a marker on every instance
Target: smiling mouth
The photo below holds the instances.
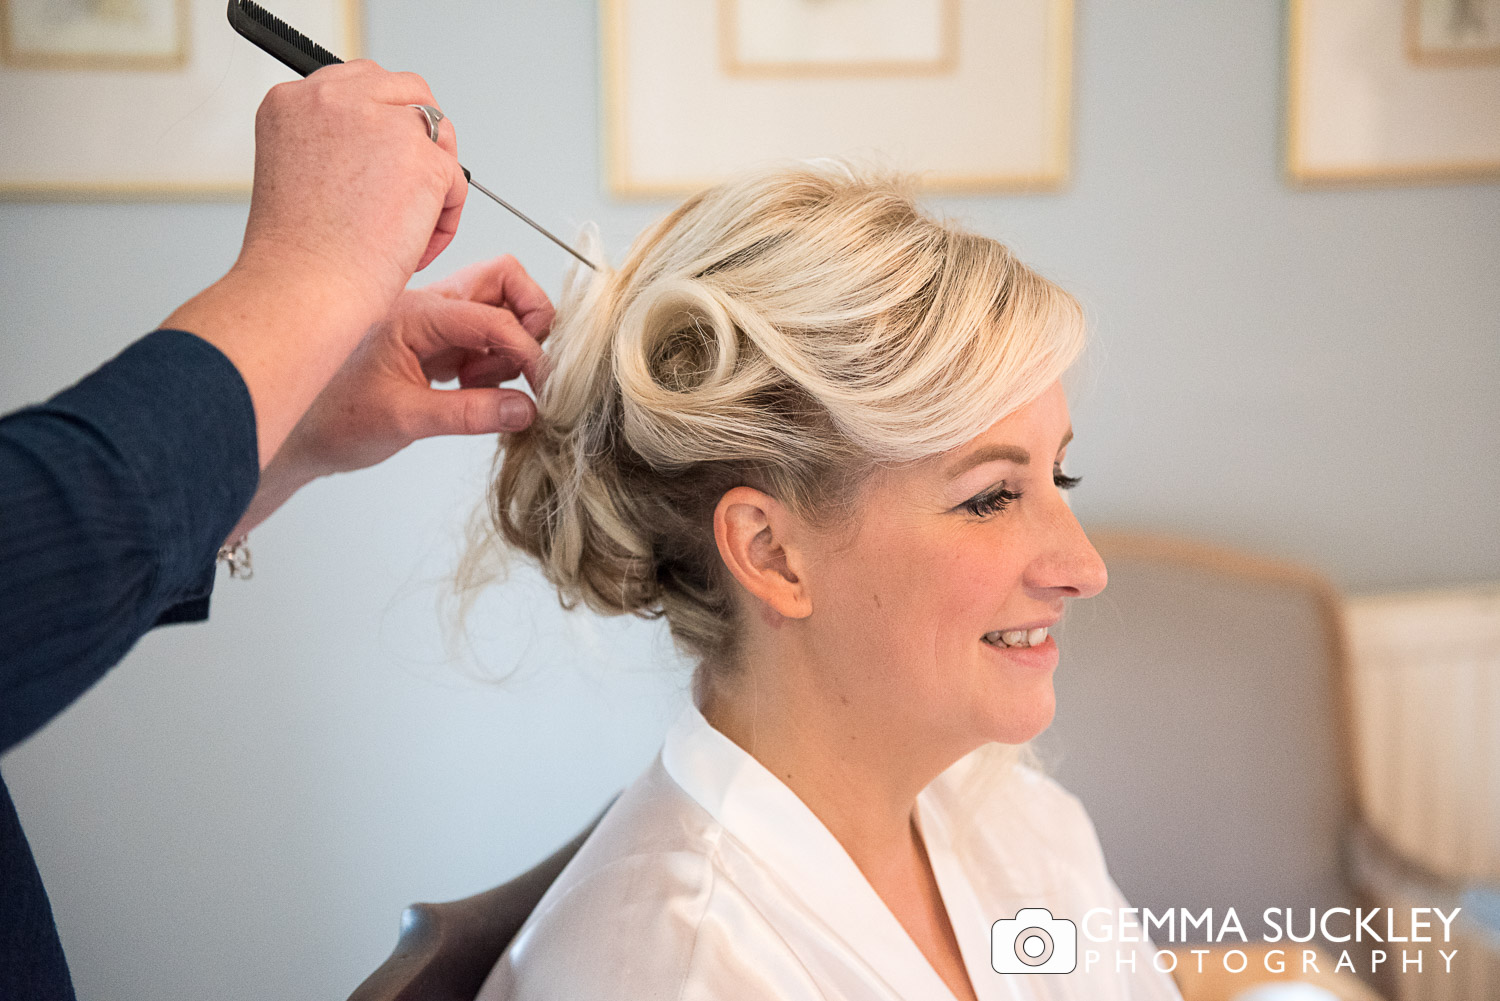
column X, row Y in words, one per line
column 1017, row 637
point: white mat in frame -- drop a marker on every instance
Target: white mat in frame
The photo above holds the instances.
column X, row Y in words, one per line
column 93, row 34
column 99, row 127
column 681, row 111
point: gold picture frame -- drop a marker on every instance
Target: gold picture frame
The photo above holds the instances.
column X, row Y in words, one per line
column 648, row 102
column 14, row 52
column 735, row 64
column 100, row 128
column 1429, row 121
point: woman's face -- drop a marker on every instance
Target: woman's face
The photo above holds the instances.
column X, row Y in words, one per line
column 922, row 617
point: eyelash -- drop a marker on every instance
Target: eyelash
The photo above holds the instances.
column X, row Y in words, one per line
column 995, row 501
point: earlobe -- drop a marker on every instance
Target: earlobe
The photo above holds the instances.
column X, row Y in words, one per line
column 753, row 532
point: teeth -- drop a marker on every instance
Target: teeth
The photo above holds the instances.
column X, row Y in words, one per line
column 1017, row 637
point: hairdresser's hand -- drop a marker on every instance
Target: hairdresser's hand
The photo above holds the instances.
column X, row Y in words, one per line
column 348, row 183
column 482, row 326
column 350, row 197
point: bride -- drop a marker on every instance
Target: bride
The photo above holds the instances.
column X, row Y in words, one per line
column 823, row 435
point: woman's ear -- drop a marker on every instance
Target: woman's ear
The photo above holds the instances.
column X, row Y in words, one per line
column 756, row 536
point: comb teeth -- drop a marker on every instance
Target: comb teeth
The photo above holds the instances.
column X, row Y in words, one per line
column 285, row 31
column 279, row 38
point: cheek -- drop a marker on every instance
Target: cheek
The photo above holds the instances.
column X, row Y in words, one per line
column 901, row 616
column 912, row 590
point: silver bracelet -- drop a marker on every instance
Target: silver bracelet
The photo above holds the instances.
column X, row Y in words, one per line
column 236, row 556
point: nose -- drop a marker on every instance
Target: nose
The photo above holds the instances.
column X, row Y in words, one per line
column 1068, row 565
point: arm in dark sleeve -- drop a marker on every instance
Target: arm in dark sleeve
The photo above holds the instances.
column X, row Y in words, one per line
column 115, row 496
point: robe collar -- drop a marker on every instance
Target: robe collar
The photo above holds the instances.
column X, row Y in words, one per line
column 769, row 819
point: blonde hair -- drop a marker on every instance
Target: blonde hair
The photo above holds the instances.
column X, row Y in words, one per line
column 791, row 330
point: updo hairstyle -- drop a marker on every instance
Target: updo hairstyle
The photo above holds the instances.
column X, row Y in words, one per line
column 792, row 330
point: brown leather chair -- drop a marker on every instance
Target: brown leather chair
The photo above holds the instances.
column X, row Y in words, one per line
column 445, row 951
column 1203, row 718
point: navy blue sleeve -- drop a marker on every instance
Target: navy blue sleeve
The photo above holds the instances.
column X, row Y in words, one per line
column 115, row 496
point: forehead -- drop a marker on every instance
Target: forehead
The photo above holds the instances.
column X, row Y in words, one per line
column 1041, row 428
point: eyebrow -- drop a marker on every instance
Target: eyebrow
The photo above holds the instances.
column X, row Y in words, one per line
column 998, row 453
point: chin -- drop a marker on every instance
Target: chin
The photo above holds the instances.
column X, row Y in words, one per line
column 1020, row 719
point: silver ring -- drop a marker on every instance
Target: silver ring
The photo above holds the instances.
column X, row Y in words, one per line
column 433, row 116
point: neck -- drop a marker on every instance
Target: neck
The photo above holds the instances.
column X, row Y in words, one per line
column 844, row 754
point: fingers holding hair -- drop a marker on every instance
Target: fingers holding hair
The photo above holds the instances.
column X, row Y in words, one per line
column 432, row 412
column 502, row 282
column 480, row 344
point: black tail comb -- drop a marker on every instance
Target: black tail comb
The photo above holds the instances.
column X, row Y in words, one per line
column 305, row 56
column 278, row 38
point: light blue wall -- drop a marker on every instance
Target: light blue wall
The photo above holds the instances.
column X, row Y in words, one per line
column 240, row 810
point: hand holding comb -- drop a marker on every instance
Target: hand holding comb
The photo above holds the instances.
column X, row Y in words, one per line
column 303, row 56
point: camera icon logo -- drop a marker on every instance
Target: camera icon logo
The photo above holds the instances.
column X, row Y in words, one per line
column 1034, row 942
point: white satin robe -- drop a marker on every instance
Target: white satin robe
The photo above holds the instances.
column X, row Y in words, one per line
column 710, row 879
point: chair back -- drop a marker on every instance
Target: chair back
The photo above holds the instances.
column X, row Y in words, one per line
column 1202, row 719
column 445, row 951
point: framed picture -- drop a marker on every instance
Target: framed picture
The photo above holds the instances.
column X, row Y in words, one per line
column 94, row 34
column 969, row 95
column 140, row 98
column 1393, row 91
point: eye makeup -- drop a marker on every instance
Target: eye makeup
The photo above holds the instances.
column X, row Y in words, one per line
column 997, row 499
column 991, row 501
